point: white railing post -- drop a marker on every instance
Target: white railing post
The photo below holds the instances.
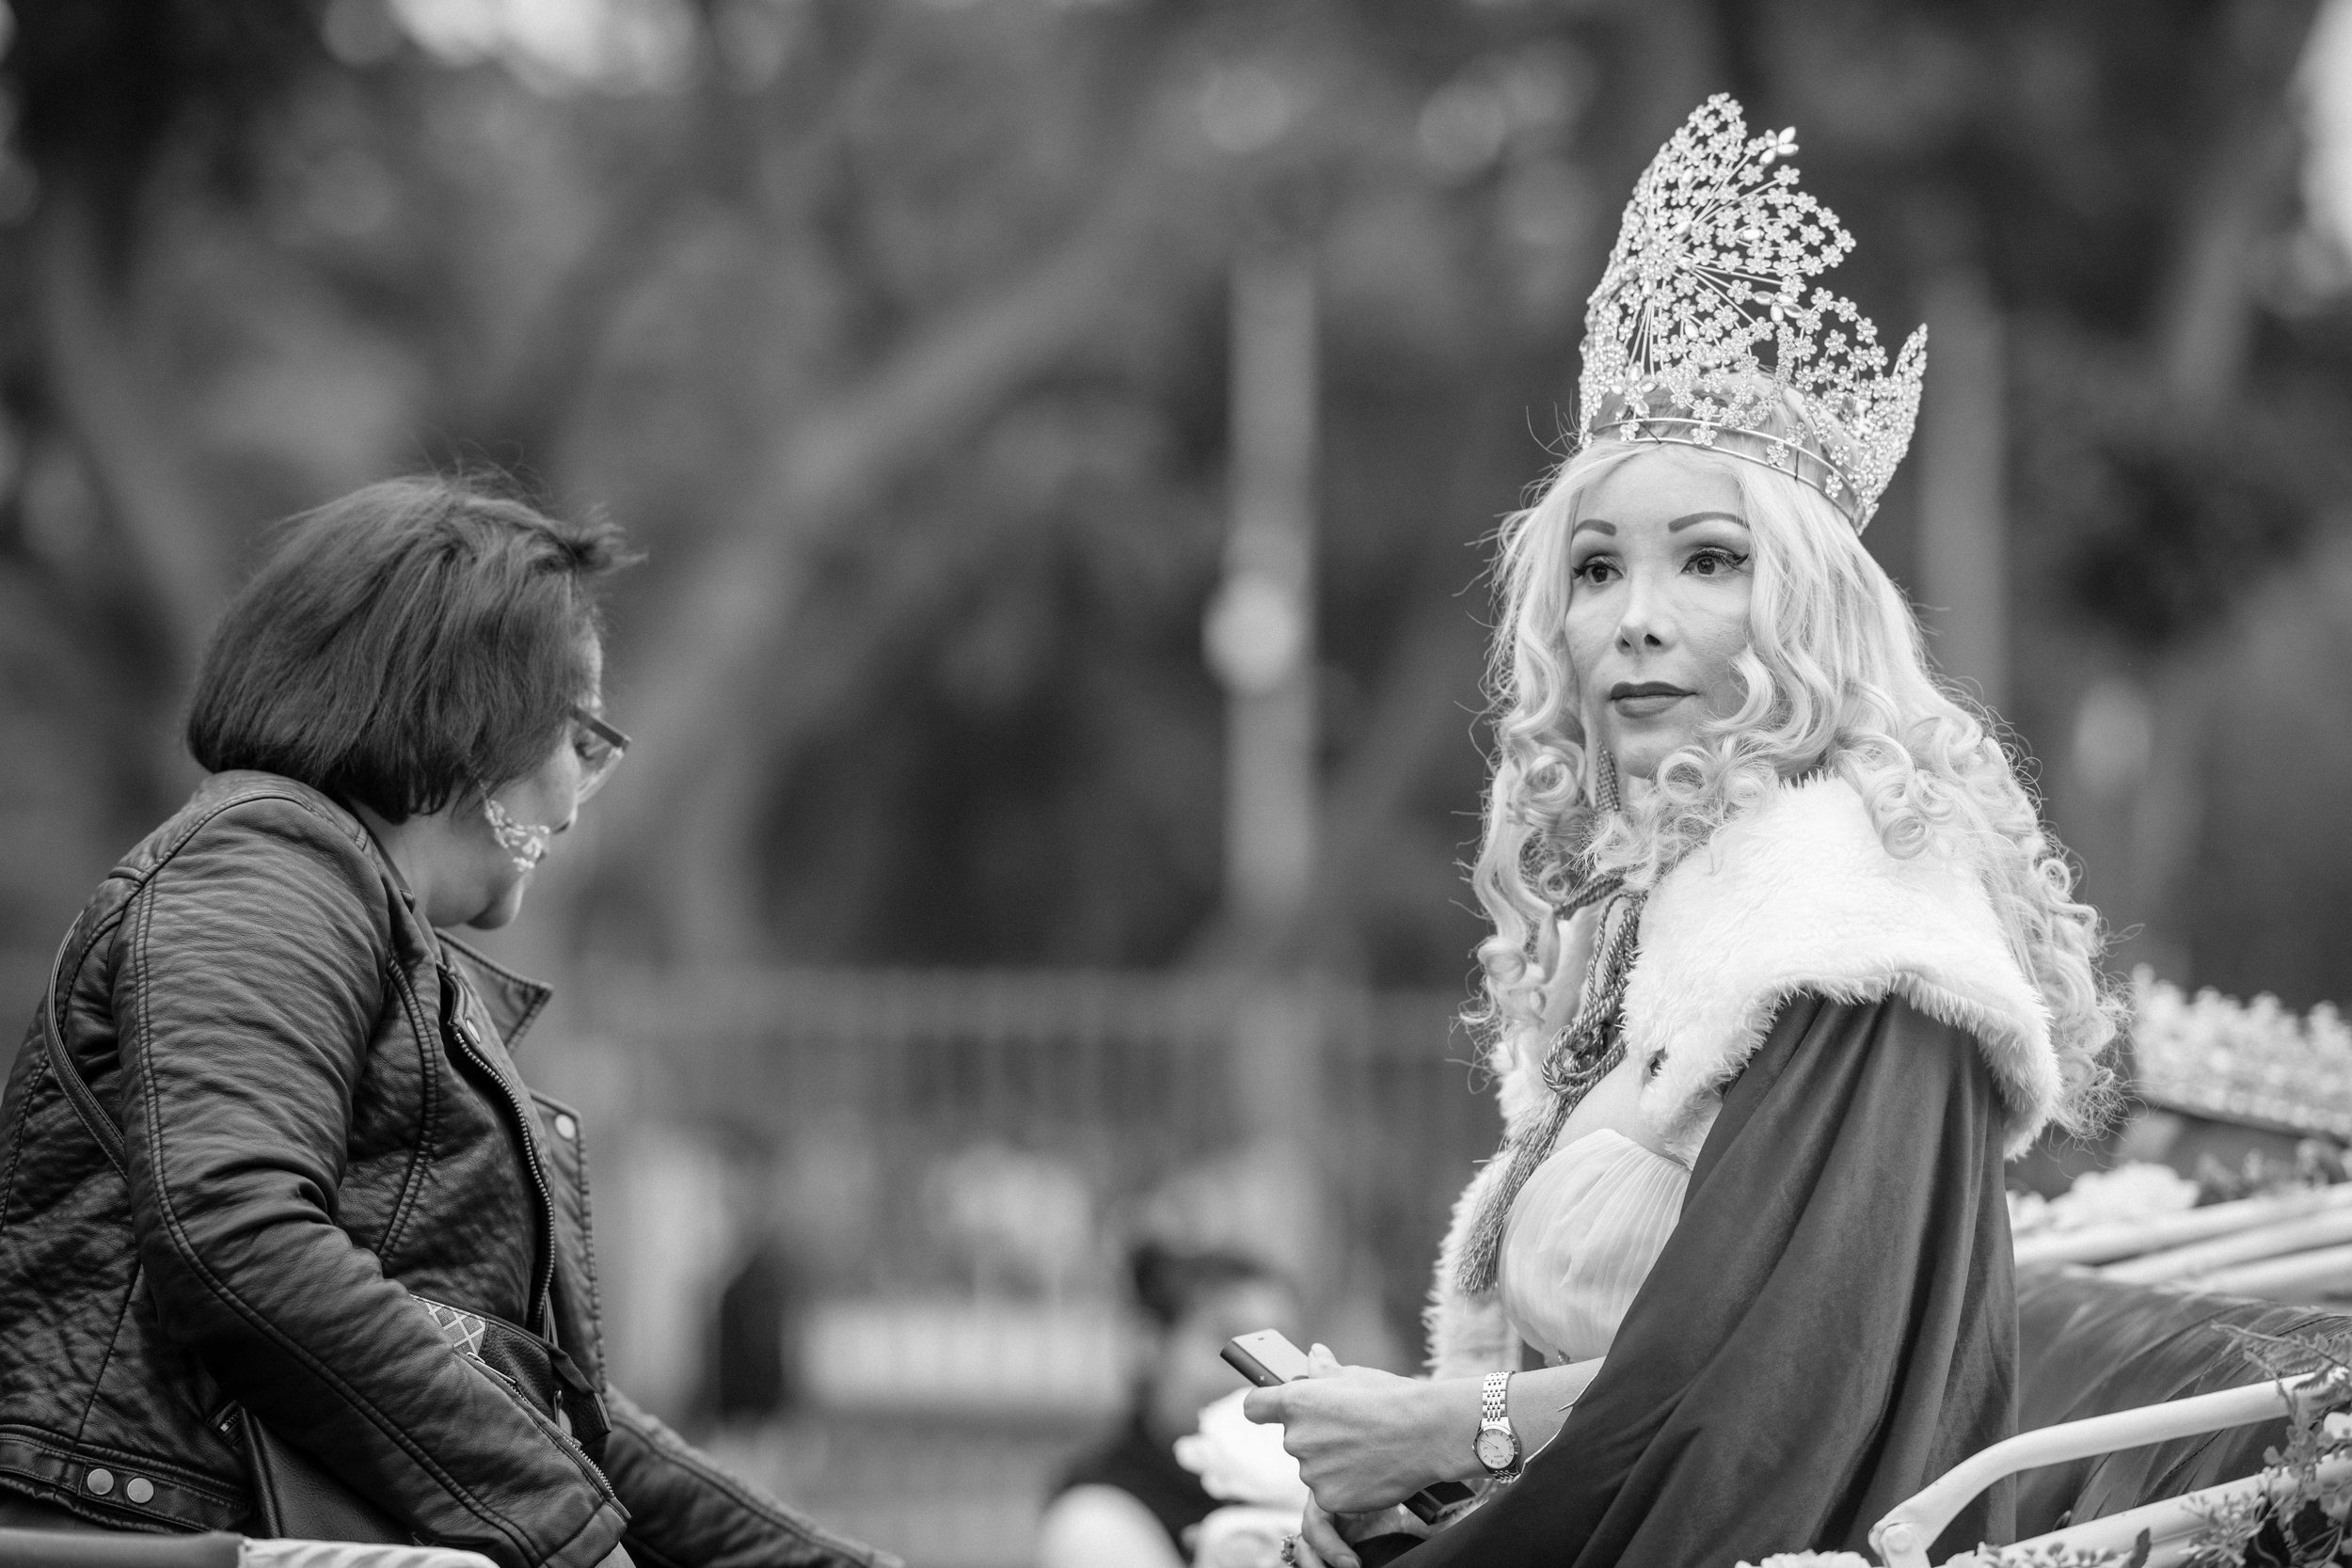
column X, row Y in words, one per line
column 1902, row 1539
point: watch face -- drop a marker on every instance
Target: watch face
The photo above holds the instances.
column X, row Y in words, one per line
column 1496, row 1448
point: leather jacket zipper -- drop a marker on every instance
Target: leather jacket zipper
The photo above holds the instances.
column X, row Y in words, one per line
column 543, row 1266
column 454, row 998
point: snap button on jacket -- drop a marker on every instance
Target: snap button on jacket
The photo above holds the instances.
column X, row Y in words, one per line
column 254, row 1001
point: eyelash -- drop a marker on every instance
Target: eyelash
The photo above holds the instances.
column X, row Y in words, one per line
column 1727, row 560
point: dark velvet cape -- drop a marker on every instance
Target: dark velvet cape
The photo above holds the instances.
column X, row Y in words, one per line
column 1833, row 1324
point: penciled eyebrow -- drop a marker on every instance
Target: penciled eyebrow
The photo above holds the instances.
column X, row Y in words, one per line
column 1674, row 527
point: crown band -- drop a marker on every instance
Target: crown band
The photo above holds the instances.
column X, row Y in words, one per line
column 1776, row 452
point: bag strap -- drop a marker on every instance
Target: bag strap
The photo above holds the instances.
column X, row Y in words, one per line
column 61, row 1066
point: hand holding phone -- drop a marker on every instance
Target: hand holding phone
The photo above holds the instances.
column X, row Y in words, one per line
column 1267, row 1358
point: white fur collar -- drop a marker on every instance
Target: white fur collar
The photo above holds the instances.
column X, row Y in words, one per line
column 1800, row 896
column 1796, row 896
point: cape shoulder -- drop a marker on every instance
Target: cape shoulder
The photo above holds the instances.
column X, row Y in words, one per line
column 1797, row 896
column 1800, row 895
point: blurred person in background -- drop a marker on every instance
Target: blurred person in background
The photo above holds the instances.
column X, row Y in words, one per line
column 1128, row 1502
column 1783, row 963
column 752, row 1373
column 274, row 1174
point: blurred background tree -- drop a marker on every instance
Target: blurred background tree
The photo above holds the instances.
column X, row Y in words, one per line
column 899, row 332
column 895, row 331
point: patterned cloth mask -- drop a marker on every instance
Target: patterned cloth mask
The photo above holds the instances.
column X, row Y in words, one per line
column 525, row 843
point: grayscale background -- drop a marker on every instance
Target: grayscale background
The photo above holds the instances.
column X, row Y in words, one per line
column 1064, row 434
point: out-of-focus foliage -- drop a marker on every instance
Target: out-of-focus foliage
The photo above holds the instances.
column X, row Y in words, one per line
column 895, row 330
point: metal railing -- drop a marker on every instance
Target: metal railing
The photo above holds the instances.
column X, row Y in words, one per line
column 1125, row 1080
column 1330, row 1127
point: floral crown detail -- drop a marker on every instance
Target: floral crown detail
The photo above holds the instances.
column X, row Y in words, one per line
column 1710, row 266
column 2255, row 1062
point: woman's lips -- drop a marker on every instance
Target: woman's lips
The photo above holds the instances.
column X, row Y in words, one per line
column 1645, row 699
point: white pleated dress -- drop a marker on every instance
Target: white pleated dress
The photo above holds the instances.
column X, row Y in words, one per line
column 1583, row 1236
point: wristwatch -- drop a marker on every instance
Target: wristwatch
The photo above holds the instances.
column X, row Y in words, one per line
column 1497, row 1445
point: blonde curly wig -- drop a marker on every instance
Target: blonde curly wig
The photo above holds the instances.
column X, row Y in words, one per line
column 1836, row 680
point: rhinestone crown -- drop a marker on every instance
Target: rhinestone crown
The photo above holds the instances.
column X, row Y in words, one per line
column 2254, row 1063
column 1710, row 267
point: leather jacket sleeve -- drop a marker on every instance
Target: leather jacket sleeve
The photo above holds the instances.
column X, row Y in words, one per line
column 687, row 1513
column 247, row 976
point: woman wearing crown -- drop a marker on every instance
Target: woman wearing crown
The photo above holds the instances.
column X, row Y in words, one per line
column 1783, row 964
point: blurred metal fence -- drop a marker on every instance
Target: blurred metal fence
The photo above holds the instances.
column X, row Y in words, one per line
column 1123, row 1078
column 957, row 1155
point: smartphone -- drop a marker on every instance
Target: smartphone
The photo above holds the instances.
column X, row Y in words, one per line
column 1267, row 1358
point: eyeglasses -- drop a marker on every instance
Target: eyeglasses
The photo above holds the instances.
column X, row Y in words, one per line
column 599, row 748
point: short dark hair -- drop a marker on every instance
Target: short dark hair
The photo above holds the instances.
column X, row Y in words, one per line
column 400, row 647
column 1171, row 1281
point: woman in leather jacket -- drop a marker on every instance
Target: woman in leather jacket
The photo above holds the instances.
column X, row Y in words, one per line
column 268, row 1158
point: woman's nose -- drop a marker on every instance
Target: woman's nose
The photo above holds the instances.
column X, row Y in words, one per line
column 1647, row 622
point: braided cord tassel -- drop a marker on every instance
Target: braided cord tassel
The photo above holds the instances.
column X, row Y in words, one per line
column 1587, row 1051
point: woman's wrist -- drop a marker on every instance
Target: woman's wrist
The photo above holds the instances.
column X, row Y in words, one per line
column 1450, row 1423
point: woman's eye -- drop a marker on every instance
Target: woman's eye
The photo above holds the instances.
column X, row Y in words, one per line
column 1595, row 571
column 1710, row 564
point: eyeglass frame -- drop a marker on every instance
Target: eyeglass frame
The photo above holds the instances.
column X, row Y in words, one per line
column 526, row 843
column 593, row 777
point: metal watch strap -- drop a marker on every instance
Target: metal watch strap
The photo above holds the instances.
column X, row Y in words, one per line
column 1494, row 1398
column 1494, row 1413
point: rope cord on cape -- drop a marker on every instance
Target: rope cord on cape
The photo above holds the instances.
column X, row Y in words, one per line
column 1587, row 1051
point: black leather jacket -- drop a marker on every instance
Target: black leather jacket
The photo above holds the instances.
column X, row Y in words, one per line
column 319, row 1122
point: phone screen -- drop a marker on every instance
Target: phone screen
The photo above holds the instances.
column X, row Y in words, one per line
column 1266, row 1357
